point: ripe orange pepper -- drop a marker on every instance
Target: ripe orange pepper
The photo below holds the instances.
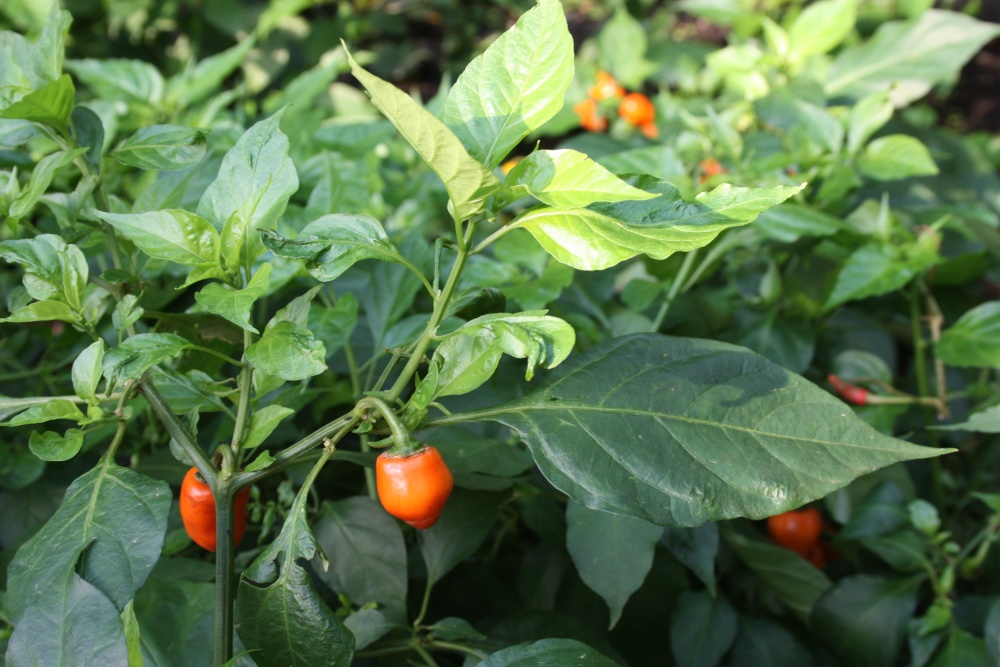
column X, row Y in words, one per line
column 606, row 87
column 198, row 511
column 414, row 487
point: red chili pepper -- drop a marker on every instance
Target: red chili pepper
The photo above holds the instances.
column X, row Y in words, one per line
column 847, row 391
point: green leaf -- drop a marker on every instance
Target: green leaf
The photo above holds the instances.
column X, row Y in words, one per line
column 875, row 269
column 696, row 549
column 334, row 243
column 334, row 325
column 255, row 181
column 87, row 372
column 367, row 554
column 612, row 553
column 602, row 235
column 261, row 462
column 198, row 81
column 162, row 147
column 467, row 181
column 567, row 179
column 117, row 515
column 672, row 422
column 88, row 131
column 288, row 351
column 974, row 340
column 43, row 311
column 514, row 87
column 279, row 615
column 896, row 156
column 120, row 79
column 701, row 630
column 53, row 269
column 137, row 354
column 791, row 578
column 50, row 105
column 172, row 234
column 263, row 422
column 132, row 635
column 983, row 421
column 549, row 652
column 763, row 642
column 867, row 117
column 59, row 408
column 906, row 58
column 52, row 446
column 821, row 26
column 41, row 178
column 126, row 313
column 788, row 222
column 466, row 364
column 28, row 64
column 176, row 612
column 623, row 42
column 964, row 649
column 74, row 619
column 463, row 526
column 235, row 304
column 863, row 618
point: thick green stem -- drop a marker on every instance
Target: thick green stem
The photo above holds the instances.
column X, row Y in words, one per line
column 675, row 288
column 440, row 309
column 405, row 443
column 923, row 388
column 246, row 384
column 224, row 495
column 177, row 430
column 288, row 456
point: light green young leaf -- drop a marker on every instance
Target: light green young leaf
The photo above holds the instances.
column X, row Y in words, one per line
column 41, row 178
column 603, row 234
column 567, row 179
column 235, row 304
column 288, row 351
column 126, row 313
column 199, row 81
column 671, row 422
column 623, row 43
column 264, row 460
column 821, row 26
column 896, row 156
column 467, row 181
column 50, row 105
column 27, row 65
column 514, row 87
column 263, row 422
column 139, row 353
column 867, row 117
column 974, row 340
column 611, row 552
column 52, row 446
column 120, row 79
column 469, row 356
column 43, row 311
column 334, row 243
column 906, row 58
column 53, row 269
column 164, row 147
column 87, row 371
column 172, row 234
column 255, row 181
column 49, row 411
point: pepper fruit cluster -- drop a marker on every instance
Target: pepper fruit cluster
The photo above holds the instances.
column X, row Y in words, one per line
column 634, row 108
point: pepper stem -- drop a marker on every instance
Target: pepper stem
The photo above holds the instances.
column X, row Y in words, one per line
column 405, row 444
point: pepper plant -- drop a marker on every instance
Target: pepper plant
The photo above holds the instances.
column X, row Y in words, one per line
column 247, row 288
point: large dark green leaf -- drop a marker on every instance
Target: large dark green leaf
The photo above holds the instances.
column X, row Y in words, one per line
column 763, row 643
column 279, row 615
column 551, row 653
column 701, row 630
column 863, row 618
column 686, row 431
column 514, row 87
column 367, row 555
column 464, row 524
column 115, row 518
column 696, row 549
column 791, row 578
column 612, row 553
